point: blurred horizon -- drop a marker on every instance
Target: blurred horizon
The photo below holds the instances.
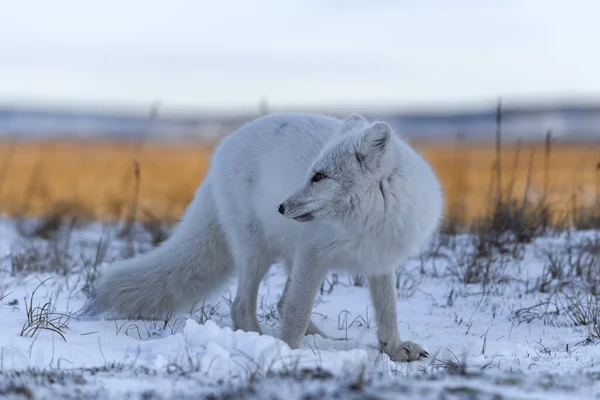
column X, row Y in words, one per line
column 571, row 121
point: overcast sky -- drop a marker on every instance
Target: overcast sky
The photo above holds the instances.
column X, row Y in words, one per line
column 228, row 54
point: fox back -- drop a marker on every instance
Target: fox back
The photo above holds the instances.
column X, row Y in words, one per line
column 355, row 188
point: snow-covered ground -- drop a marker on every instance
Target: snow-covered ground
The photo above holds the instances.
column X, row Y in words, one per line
column 485, row 339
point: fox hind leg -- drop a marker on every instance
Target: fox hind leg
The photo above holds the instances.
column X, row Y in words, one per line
column 252, row 262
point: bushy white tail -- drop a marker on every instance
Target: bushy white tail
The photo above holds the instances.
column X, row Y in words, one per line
column 192, row 263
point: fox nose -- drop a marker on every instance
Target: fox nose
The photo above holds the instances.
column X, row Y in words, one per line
column 281, row 209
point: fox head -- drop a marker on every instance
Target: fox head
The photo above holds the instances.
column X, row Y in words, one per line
column 339, row 180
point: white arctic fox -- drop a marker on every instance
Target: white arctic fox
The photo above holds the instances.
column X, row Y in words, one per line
column 312, row 191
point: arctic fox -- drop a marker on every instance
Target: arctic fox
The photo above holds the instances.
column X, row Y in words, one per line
column 312, row 191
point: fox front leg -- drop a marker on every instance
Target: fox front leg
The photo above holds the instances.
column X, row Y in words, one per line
column 312, row 329
column 383, row 294
column 306, row 277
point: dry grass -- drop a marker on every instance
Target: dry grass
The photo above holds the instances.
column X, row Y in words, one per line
column 98, row 178
column 567, row 177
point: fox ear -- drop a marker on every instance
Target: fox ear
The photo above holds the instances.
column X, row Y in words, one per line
column 372, row 144
column 354, row 122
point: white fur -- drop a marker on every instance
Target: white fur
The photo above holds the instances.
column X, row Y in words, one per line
column 377, row 203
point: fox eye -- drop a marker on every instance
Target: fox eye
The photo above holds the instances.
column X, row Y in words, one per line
column 317, row 177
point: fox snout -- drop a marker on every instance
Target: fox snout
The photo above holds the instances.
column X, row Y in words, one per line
column 294, row 212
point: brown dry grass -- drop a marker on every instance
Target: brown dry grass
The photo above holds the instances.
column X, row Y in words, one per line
column 99, row 177
column 568, row 177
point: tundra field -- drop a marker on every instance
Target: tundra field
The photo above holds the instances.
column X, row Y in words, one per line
column 506, row 299
column 99, row 179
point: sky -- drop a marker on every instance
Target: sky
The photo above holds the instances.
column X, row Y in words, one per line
column 225, row 55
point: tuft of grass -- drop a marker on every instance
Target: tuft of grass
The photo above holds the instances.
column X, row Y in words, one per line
column 63, row 215
column 521, row 220
column 580, row 309
column 51, row 256
column 571, row 264
column 407, row 283
column 43, row 318
column 90, row 267
column 482, row 260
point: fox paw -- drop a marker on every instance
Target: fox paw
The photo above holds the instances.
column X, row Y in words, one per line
column 405, row 351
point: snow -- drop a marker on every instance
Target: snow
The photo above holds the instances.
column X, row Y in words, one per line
column 198, row 354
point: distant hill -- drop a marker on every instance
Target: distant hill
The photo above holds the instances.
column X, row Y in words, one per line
column 573, row 122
